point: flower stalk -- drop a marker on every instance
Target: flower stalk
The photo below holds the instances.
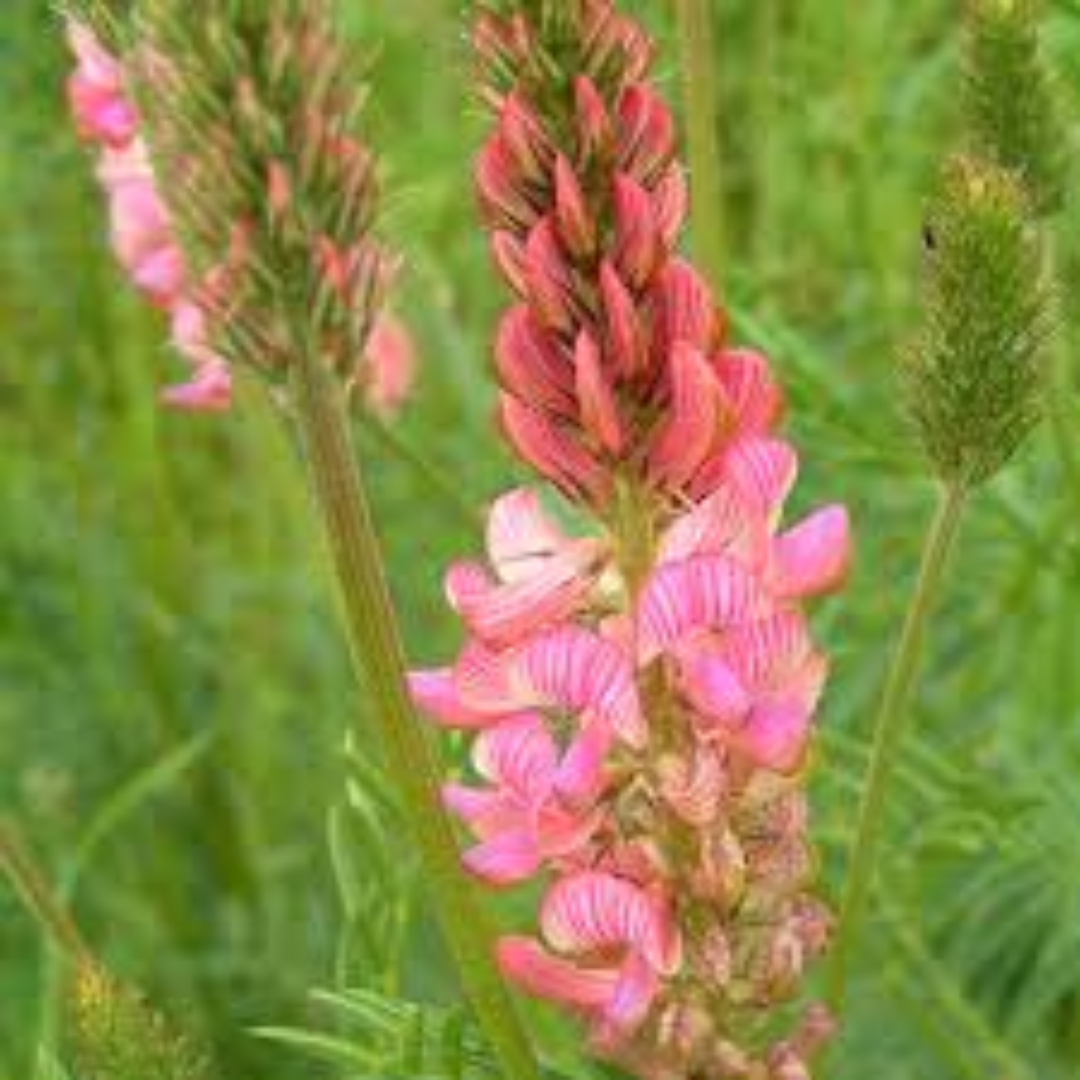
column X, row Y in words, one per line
column 379, row 658
column 890, row 725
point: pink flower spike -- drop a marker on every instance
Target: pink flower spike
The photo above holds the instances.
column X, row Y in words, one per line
column 686, row 438
column 712, row 592
column 209, row 391
column 813, row 557
column 599, row 408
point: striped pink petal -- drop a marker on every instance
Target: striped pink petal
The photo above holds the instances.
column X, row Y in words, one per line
column 576, row 670
column 710, row 592
column 589, row 911
column 762, row 472
column 813, row 557
column 519, row 754
column 580, row 778
column 764, row 652
column 539, row 973
column 633, row 996
column 720, row 524
column 689, row 433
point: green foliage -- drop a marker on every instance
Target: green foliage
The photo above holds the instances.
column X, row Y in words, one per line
column 973, row 375
column 1012, row 114
column 116, row 1035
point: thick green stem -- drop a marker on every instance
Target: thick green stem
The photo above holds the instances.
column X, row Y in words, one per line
column 889, row 728
column 379, row 657
column 701, row 97
column 34, row 891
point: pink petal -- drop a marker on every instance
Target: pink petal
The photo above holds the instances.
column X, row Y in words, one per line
column 599, row 408
column 509, row 255
column 548, row 281
column 506, row 859
column 552, row 450
column 519, row 754
column 721, row 524
column 577, row 670
column 627, row 343
column 576, row 226
column 503, row 614
column 694, row 788
column 527, row 141
column 713, row 687
column 590, row 910
column 764, row 652
column 539, row 973
column 579, row 778
column 687, row 436
column 595, row 129
column 775, row 737
column 763, row 472
column 633, row 996
column 710, row 592
column 646, row 133
column 499, row 183
column 637, row 237
column 531, row 365
column 162, row 276
column 670, row 203
column 813, row 557
column 755, row 397
column 685, row 310
column 521, row 537
column 435, row 693
column 388, row 366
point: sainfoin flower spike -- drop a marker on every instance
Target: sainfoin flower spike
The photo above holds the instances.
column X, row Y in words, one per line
column 641, row 699
column 146, row 243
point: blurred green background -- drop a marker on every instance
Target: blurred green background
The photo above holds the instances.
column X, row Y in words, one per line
column 173, row 689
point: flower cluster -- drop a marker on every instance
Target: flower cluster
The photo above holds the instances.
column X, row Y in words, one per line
column 641, row 698
column 145, row 240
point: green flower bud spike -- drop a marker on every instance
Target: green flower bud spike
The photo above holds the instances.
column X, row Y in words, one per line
column 973, row 379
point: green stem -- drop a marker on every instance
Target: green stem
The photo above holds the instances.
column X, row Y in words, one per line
column 889, row 728
column 701, row 97
column 379, row 658
column 34, row 891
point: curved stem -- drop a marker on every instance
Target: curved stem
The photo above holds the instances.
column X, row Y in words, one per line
column 379, row 658
column 889, row 727
column 701, row 97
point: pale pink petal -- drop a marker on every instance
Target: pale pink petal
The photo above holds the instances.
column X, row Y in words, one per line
column 503, row 614
column 719, row 524
column 763, row 472
column 521, row 536
column 775, row 736
column 633, row 996
column 539, row 973
column 485, row 810
column 694, row 786
column 710, row 592
column 161, row 275
column 764, row 652
column 813, row 557
column 712, row 686
column 690, row 431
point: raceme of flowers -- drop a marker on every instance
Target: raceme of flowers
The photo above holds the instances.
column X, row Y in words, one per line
column 145, row 244
column 641, row 698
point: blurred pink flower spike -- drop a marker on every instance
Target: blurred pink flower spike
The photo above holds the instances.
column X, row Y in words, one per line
column 389, row 367
column 101, row 108
column 209, row 390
